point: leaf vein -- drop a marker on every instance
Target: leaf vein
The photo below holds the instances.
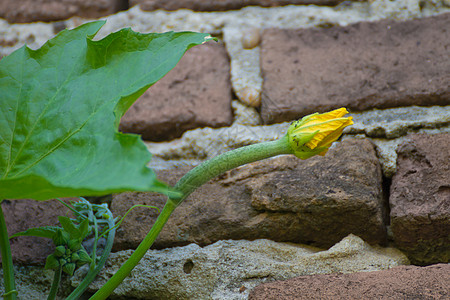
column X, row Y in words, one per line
column 52, row 149
column 9, row 166
column 29, row 134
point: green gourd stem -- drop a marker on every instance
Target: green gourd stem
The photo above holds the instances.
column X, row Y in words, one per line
column 186, row 185
column 90, row 276
column 227, row 161
column 140, row 251
column 55, row 284
column 8, row 267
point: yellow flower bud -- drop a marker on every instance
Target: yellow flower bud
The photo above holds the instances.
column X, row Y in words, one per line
column 315, row 133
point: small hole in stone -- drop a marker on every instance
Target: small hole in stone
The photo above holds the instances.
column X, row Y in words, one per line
column 188, row 265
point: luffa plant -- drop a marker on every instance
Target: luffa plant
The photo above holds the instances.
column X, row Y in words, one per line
column 60, row 107
column 59, row 114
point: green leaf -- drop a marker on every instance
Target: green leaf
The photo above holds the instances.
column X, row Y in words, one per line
column 74, row 244
column 84, row 228
column 45, row 232
column 69, row 227
column 60, row 108
column 61, row 238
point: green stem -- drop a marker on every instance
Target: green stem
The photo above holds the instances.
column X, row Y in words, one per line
column 75, row 212
column 186, row 185
column 7, row 263
column 94, row 248
column 55, row 284
column 227, row 161
column 140, row 251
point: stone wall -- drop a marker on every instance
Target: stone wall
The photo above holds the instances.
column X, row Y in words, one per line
column 387, row 184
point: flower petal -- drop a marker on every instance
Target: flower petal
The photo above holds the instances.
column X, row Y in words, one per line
column 313, row 134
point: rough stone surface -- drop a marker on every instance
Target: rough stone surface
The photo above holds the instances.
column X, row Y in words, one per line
column 230, row 269
column 196, row 93
column 245, row 115
column 361, row 66
column 420, row 199
column 245, row 67
column 34, row 282
column 387, row 149
column 31, row 282
column 24, row 214
column 403, row 282
column 221, row 5
column 396, row 122
column 317, row 201
column 26, row 11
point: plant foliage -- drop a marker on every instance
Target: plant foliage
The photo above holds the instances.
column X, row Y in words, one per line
column 60, row 108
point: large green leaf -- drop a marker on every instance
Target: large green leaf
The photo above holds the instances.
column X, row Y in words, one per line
column 60, row 107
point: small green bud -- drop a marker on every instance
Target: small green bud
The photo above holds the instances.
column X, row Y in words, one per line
column 75, row 257
column 60, row 251
column 62, row 261
column 51, row 262
column 84, row 257
column 62, row 237
column 69, row 268
column 74, row 244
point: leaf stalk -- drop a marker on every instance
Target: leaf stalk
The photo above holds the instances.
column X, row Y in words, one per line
column 55, row 284
column 137, row 255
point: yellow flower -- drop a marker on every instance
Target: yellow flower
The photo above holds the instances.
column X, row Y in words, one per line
column 315, row 133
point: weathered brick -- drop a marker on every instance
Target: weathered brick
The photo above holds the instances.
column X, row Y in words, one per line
column 362, row 66
column 403, row 282
column 26, row 11
column 420, row 199
column 24, row 214
column 222, row 5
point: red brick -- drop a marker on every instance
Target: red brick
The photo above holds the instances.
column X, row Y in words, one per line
column 404, row 282
column 362, row 66
column 222, row 5
column 26, row 11
column 420, row 199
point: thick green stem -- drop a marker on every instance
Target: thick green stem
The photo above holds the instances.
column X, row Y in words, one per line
column 227, row 161
column 7, row 263
column 137, row 255
column 55, row 284
column 186, row 185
